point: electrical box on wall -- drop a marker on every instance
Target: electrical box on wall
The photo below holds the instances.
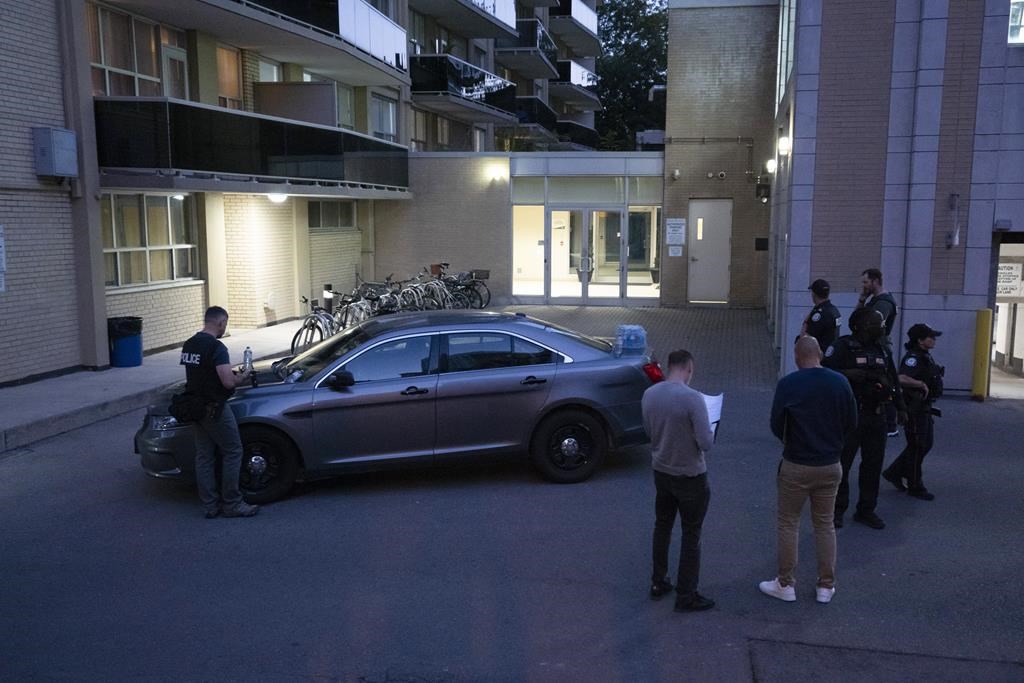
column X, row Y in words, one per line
column 56, row 152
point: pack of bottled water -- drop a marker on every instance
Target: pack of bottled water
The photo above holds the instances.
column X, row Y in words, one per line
column 630, row 339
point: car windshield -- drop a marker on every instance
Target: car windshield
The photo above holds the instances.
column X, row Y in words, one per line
column 311, row 362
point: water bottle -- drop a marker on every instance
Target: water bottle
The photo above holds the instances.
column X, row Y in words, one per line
column 247, row 359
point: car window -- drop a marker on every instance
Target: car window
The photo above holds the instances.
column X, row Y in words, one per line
column 487, row 350
column 312, row 361
column 408, row 357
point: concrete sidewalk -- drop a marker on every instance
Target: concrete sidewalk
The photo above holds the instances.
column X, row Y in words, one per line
column 35, row 411
column 731, row 347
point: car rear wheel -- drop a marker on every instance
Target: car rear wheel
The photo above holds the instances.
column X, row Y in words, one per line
column 568, row 446
column 269, row 465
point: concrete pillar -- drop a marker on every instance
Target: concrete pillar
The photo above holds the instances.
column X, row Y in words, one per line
column 202, row 67
column 303, row 278
column 213, row 251
column 365, row 223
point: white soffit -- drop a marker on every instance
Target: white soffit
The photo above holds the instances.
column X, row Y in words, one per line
column 708, row 4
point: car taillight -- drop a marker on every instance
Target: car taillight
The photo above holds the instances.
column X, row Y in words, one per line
column 653, row 372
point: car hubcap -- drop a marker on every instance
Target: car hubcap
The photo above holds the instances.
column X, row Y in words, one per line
column 570, row 447
column 257, row 465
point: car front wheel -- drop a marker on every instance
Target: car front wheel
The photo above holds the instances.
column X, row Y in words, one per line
column 568, row 446
column 269, row 465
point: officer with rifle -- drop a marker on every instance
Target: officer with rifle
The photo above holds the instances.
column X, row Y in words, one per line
column 862, row 357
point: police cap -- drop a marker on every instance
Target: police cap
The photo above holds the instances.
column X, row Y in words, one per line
column 820, row 287
column 920, row 331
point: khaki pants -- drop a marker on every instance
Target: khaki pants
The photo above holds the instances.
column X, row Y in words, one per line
column 796, row 484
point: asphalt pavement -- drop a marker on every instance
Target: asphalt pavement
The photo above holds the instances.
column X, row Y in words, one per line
column 482, row 572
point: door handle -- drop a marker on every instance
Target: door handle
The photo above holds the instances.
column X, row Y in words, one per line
column 412, row 391
column 533, row 380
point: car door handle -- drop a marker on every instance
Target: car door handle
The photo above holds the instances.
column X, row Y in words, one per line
column 412, row 391
column 533, row 380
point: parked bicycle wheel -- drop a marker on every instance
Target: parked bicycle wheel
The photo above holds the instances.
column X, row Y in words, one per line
column 309, row 334
column 472, row 297
column 483, row 292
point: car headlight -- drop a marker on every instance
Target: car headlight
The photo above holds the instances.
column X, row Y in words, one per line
column 161, row 422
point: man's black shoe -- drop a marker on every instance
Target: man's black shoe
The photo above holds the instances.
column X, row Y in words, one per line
column 923, row 494
column 869, row 519
column 895, row 480
column 660, row 589
column 693, row 603
column 837, row 521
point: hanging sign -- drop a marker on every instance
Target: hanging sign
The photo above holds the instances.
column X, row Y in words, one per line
column 1008, row 281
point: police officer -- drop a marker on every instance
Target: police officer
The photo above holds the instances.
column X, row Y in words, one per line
column 823, row 321
column 873, row 295
column 921, row 379
column 862, row 358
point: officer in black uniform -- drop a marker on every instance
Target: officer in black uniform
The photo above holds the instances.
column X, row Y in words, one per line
column 862, row 358
column 823, row 321
column 873, row 295
column 921, row 379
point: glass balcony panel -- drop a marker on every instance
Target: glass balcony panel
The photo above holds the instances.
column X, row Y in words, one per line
column 579, row 11
column 163, row 134
column 472, row 18
column 576, row 25
column 533, row 110
column 448, row 75
column 372, row 31
column 533, row 54
column 578, row 134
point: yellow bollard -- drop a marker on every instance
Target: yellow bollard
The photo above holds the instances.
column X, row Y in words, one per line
column 982, row 354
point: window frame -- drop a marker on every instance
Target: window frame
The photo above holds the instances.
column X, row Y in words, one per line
column 340, row 227
column 379, row 104
column 343, row 363
column 224, row 100
column 444, row 354
column 142, row 202
column 106, row 70
column 1018, row 7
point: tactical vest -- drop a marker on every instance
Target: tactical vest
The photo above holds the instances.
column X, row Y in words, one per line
column 876, row 387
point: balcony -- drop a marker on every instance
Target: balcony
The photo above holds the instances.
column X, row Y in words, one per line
column 577, row 136
column 575, row 86
column 532, row 55
column 535, row 121
column 472, row 18
column 576, row 24
column 345, row 40
column 173, row 144
column 454, row 88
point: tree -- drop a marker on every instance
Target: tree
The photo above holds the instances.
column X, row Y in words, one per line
column 634, row 36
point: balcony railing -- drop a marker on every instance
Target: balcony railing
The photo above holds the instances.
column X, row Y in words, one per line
column 578, row 11
column 576, row 74
column 452, row 77
column 369, row 29
column 579, row 134
column 472, row 18
column 164, row 134
column 533, row 110
column 532, row 54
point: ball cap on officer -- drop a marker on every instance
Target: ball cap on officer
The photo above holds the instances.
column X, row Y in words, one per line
column 820, row 288
column 920, row 331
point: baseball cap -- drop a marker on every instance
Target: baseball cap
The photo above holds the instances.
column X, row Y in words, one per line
column 920, row 331
column 820, row 287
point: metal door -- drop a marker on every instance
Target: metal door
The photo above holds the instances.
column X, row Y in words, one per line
column 709, row 250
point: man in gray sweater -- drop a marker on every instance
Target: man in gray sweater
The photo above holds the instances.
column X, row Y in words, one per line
column 676, row 420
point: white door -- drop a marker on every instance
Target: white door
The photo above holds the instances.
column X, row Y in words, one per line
column 710, row 238
column 175, row 68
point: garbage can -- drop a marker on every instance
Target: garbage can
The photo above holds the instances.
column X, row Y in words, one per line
column 125, row 339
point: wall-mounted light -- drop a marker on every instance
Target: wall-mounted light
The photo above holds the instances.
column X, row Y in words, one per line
column 675, row 174
column 785, row 146
column 496, row 172
column 276, row 198
column 771, row 165
column 178, row 197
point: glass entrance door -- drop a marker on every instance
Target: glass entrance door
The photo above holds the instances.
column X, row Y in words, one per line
column 570, row 262
column 643, row 246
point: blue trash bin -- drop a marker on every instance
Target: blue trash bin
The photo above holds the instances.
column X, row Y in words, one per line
column 125, row 338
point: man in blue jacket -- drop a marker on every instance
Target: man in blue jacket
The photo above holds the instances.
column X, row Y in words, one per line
column 813, row 412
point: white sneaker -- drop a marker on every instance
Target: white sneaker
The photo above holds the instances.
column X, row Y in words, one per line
column 777, row 590
column 825, row 595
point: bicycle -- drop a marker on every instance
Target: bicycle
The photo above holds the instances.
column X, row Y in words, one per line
column 316, row 326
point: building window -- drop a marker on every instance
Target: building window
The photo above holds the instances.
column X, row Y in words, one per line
column 444, row 133
column 270, row 72
column 124, row 53
column 384, row 118
column 346, row 106
column 328, row 216
column 147, row 239
column 418, row 134
column 1016, row 35
column 479, row 140
column 229, row 77
column 417, row 33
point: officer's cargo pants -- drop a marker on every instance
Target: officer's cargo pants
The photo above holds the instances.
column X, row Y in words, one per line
column 869, row 438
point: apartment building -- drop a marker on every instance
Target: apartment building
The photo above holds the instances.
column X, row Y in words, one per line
column 240, row 152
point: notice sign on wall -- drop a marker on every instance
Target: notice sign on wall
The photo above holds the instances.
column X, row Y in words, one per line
column 1008, row 281
column 675, row 232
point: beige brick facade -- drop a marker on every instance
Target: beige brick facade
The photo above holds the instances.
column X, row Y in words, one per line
column 169, row 315
column 334, row 259
column 719, row 114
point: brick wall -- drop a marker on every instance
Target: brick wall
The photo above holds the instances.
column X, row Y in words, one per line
column 956, row 144
column 334, row 259
column 250, row 75
column 459, row 215
column 260, row 239
column 36, row 215
column 721, row 84
column 170, row 315
column 852, row 139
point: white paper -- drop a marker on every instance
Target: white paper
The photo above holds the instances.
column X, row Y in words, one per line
column 714, row 404
column 675, row 251
column 675, row 231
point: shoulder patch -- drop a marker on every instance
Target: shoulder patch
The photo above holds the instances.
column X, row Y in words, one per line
column 830, row 350
column 910, row 362
column 816, row 317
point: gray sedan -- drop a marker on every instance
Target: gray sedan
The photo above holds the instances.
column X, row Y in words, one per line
column 424, row 388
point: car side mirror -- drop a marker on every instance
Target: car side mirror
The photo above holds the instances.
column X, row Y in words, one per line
column 341, row 379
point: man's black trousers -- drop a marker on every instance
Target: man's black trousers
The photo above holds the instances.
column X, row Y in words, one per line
column 687, row 496
column 869, row 438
